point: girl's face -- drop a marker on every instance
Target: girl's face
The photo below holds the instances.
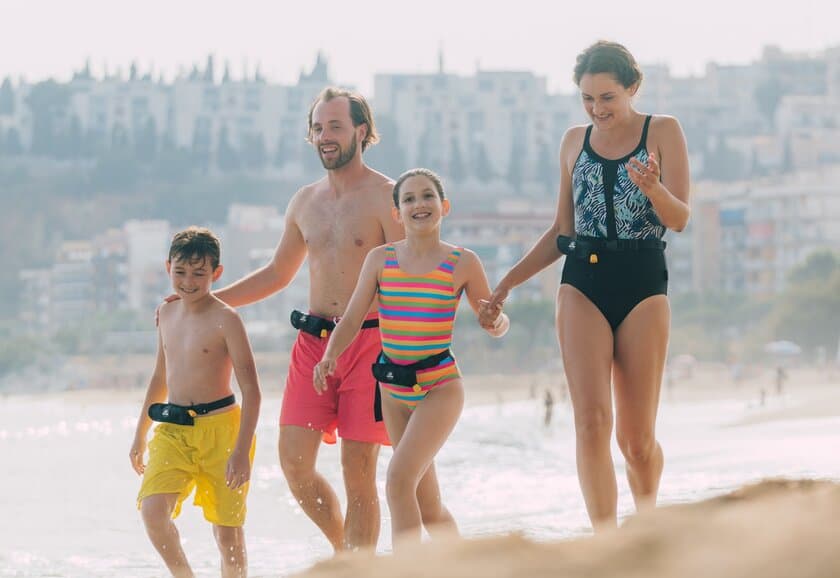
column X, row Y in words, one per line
column 606, row 101
column 420, row 205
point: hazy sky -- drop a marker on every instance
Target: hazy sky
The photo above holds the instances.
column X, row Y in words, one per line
column 40, row 38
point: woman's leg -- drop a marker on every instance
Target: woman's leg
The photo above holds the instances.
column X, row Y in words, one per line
column 641, row 345
column 586, row 341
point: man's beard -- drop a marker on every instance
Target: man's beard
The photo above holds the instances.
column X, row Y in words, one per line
column 342, row 159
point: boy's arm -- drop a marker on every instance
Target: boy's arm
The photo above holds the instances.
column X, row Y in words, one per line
column 477, row 289
column 275, row 275
column 242, row 358
column 156, row 393
column 347, row 329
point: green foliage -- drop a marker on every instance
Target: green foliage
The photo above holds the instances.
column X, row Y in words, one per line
column 808, row 311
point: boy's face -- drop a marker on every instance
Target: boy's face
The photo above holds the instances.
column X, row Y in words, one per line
column 192, row 278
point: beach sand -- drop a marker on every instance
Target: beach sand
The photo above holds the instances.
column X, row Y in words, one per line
column 775, row 529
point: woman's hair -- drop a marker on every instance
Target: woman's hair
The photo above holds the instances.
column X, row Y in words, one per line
column 611, row 58
column 431, row 175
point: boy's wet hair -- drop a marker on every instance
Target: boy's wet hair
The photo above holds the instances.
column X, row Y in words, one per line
column 608, row 57
column 195, row 244
column 360, row 113
column 418, row 172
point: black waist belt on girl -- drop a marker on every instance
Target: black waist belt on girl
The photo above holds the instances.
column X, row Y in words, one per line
column 589, row 247
column 185, row 414
column 320, row 326
column 406, row 375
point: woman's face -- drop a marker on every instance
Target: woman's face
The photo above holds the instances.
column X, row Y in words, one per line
column 606, row 101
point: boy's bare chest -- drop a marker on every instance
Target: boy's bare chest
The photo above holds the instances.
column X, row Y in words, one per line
column 190, row 340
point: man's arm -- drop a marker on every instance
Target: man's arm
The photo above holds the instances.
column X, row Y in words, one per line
column 275, row 275
column 156, row 393
column 392, row 230
column 242, row 357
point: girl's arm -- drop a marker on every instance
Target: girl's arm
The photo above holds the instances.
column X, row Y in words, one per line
column 347, row 329
column 472, row 279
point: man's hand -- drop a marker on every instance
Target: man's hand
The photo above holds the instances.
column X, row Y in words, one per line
column 167, row 299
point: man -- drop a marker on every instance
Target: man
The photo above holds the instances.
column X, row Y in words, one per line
column 335, row 222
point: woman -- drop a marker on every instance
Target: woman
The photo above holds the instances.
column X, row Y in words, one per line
column 624, row 181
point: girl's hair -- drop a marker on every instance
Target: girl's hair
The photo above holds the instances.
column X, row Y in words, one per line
column 431, row 175
column 610, row 57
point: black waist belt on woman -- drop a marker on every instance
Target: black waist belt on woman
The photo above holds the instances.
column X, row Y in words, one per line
column 184, row 414
column 320, row 326
column 406, row 375
column 589, row 247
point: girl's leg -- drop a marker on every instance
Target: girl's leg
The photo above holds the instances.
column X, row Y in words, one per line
column 157, row 516
column 586, row 341
column 437, row 520
column 641, row 346
column 419, row 441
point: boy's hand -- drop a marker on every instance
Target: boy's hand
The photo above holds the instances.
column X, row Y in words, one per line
column 168, row 299
column 238, row 470
column 322, row 369
column 138, row 448
column 488, row 314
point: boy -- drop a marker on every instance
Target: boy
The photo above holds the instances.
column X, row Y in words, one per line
column 206, row 441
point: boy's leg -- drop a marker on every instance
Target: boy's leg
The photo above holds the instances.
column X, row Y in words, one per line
column 157, row 516
column 231, row 542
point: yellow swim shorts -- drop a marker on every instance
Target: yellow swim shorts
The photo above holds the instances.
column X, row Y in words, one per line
column 183, row 457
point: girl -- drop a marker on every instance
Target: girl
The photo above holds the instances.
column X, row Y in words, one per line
column 418, row 283
column 624, row 181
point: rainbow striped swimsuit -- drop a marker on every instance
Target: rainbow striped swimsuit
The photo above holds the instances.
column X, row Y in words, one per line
column 416, row 315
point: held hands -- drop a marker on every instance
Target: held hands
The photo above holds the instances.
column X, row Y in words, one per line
column 322, row 370
column 238, row 470
column 645, row 175
column 488, row 314
column 135, row 455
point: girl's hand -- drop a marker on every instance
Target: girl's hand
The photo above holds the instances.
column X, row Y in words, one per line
column 323, row 368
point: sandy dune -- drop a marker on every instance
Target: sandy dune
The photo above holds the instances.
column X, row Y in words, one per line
column 776, row 529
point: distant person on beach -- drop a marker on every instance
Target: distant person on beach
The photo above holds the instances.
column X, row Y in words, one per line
column 548, row 402
column 416, row 284
column 624, row 180
column 205, row 441
column 334, row 222
column 781, row 378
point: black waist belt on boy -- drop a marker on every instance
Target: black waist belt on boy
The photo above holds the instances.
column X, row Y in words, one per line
column 589, row 247
column 320, row 326
column 406, row 375
column 185, row 414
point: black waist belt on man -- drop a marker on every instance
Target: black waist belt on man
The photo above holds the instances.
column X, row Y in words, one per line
column 589, row 247
column 185, row 414
column 321, row 326
column 387, row 371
